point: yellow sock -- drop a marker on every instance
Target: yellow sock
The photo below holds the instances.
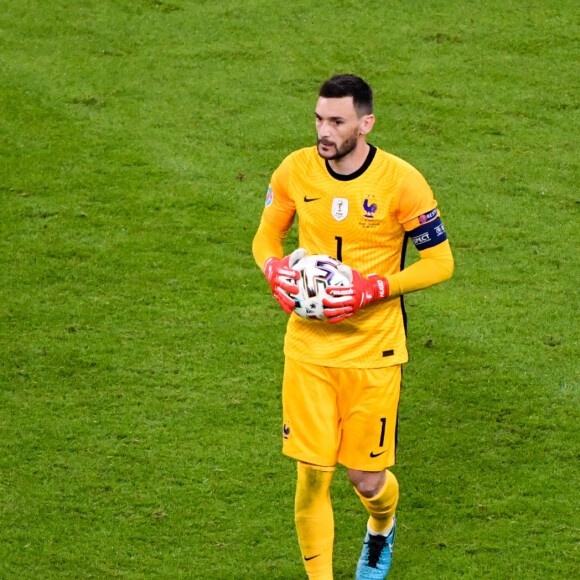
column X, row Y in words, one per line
column 382, row 506
column 315, row 520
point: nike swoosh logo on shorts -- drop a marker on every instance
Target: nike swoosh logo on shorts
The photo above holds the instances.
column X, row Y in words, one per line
column 377, row 454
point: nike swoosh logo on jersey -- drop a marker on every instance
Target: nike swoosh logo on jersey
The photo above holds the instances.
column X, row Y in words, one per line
column 307, row 199
column 311, row 557
column 377, row 454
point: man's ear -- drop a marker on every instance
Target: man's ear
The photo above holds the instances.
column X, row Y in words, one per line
column 367, row 124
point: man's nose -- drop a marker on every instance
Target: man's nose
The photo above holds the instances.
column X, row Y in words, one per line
column 323, row 129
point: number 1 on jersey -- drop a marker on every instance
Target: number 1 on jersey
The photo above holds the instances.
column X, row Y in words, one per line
column 338, row 248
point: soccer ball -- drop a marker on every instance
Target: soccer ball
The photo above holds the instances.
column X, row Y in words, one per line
column 316, row 273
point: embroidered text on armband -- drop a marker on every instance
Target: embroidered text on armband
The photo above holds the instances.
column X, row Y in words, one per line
column 428, row 235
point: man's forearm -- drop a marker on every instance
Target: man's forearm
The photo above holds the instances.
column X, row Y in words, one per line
column 435, row 266
column 268, row 242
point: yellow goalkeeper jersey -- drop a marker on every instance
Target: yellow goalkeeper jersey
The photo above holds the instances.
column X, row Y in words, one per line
column 362, row 219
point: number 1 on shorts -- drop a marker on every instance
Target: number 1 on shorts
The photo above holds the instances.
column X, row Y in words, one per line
column 383, row 429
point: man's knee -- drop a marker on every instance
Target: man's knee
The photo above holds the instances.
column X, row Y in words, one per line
column 367, row 483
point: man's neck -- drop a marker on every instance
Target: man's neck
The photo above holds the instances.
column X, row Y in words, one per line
column 351, row 162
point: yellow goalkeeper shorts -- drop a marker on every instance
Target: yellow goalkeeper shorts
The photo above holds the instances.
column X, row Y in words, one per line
column 340, row 415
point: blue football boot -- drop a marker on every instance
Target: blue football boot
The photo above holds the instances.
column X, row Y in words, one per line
column 375, row 560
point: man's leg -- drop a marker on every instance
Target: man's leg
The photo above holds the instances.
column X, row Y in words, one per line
column 311, row 437
column 379, row 493
column 369, row 406
column 314, row 519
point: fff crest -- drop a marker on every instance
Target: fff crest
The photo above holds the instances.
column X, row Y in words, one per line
column 370, row 209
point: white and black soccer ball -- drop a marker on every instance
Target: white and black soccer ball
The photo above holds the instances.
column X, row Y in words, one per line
column 316, row 274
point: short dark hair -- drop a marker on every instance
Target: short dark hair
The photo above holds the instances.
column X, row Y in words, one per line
column 340, row 86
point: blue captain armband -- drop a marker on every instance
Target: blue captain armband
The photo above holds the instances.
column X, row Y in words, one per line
column 428, row 235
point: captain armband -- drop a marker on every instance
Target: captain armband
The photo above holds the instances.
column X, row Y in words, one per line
column 428, row 235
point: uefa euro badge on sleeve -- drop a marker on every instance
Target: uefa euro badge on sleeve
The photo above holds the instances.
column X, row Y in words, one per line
column 269, row 197
column 339, row 208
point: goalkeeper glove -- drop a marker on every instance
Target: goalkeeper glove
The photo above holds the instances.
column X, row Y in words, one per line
column 277, row 271
column 351, row 298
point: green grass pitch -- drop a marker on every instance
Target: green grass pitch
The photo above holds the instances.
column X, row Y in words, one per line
column 140, row 352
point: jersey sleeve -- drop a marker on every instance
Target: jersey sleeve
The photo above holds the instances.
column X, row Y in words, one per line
column 418, row 213
column 435, row 266
column 277, row 217
column 415, row 200
column 419, row 216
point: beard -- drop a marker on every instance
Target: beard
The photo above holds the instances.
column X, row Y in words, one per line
column 348, row 145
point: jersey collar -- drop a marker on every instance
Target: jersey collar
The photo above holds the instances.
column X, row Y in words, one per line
column 358, row 172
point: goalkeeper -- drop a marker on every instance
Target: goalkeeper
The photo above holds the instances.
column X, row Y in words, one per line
column 342, row 377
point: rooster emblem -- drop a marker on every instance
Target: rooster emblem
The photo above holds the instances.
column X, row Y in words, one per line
column 370, row 209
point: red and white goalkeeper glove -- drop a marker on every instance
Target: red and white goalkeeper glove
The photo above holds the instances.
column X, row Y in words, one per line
column 361, row 292
column 277, row 270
